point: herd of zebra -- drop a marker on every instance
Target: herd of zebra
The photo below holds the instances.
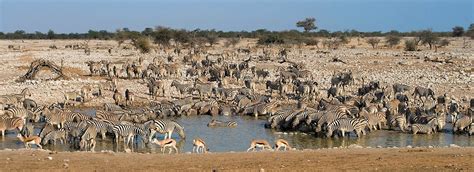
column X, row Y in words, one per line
column 196, row 82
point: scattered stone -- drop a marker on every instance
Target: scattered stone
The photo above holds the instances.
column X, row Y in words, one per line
column 9, row 159
column 454, row 146
column 409, row 146
column 355, row 146
column 50, row 158
column 66, row 165
column 430, row 146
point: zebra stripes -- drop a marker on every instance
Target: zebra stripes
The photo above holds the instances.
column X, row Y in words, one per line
column 101, row 126
column 15, row 99
column 10, row 124
column 55, row 135
column 127, row 132
column 344, row 125
column 425, row 128
column 167, row 127
column 217, row 123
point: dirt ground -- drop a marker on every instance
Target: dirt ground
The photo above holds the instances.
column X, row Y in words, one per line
column 362, row 159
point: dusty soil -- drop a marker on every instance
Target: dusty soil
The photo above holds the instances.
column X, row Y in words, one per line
column 362, row 159
column 384, row 64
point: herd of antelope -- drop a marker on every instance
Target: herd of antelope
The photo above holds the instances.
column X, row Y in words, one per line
column 192, row 81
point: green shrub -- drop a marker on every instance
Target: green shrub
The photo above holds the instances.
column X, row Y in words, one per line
column 392, row 40
column 270, row 39
column 410, row 45
column 143, row 44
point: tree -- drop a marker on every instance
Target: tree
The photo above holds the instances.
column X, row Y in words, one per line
column 470, row 31
column 373, row 41
column 458, row 31
column 147, row 32
column 163, row 35
column 93, row 34
column 308, row 24
column 51, row 34
column 428, row 37
column 392, row 40
column 143, row 44
column 211, row 38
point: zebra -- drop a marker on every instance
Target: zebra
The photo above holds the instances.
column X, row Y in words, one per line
column 330, row 116
column 462, row 123
column 343, row 125
column 279, row 118
column 217, row 123
column 167, row 127
column 29, row 104
column 88, row 138
column 103, row 115
column 398, row 120
column 112, row 107
column 425, row 128
column 10, row 124
column 127, row 132
column 18, row 112
column 15, row 99
column 129, row 97
column 101, row 126
column 53, row 118
column 54, row 135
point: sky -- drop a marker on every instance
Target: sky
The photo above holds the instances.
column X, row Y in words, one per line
column 65, row 16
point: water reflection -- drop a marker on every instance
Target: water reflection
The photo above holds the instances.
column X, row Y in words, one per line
column 238, row 138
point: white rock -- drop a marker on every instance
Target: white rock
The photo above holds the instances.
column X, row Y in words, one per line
column 454, row 146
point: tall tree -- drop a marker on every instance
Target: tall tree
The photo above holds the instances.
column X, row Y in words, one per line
column 307, row 24
column 51, row 34
column 458, row 31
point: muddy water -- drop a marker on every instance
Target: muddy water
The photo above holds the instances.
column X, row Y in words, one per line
column 238, row 138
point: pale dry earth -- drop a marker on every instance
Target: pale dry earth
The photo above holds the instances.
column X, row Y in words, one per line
column 355, row 159
column 386, row 65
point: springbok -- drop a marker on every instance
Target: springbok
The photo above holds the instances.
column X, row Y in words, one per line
column 36, row 140
column 199, row 144
column 263, row 144
column 281, row 143
column 166, row 143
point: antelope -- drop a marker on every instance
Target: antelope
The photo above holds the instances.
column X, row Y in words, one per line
column 199, row 144
column 281, row 143
column 259, row 144
column 36, row 140
column 166, row 143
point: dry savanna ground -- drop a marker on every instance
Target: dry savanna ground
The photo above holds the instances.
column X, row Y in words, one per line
column 449, row 70
column 362, row 159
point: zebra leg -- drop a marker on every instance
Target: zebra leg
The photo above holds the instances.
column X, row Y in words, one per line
column 194, row 147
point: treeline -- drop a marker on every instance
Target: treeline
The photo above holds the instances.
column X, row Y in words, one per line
column 161, row 34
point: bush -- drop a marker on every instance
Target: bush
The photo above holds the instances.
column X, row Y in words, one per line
column 410, row 45
column 443, row 43
column 270, row 39
column 458, row 31
column 311, row 42
column 373, row 41
column 143, row 44
column 428, row 37
column 392, row 40
column 332, row 43
column 231, row 42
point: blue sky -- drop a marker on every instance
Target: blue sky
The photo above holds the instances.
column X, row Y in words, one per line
column 363, row 15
